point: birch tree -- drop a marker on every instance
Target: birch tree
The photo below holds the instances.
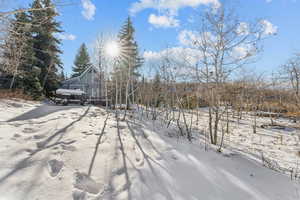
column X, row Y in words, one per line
column 226, row 44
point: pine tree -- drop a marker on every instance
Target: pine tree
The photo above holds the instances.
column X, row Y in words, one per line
column 45, row 44
column 32, row 49
column 129, row 57
column 30, row 82
column 129, row 62
column 82, row 61
column 20, row 56
column 62, row 76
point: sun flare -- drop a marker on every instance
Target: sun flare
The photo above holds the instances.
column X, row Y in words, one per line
column 112, row 49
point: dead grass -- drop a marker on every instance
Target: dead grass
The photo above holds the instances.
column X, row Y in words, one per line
column 15, row 94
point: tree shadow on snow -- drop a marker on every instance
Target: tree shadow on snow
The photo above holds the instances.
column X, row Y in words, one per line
column 128, row 183
column 162, row 188
column 41, row 111
column 58, row 135
column 97, row 147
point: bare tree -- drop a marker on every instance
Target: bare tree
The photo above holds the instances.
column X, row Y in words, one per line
column 292, row 74
column 103, row 63
column 226, row 44
column 13, row 49
column 7, row 14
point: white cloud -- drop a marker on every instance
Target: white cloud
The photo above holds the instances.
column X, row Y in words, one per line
column 89, row 9
column 243, row 29
column 168, row 9
column 268, row 27
column 172, row 6
column 177, row 55
column 182, row 60
column 65, row 36
column 187, row 37
column 163, row 21
column 192, row 38
column 243, row 51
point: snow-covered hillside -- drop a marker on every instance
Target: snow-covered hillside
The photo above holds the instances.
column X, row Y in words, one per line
column 72, row 152
column 279, row 143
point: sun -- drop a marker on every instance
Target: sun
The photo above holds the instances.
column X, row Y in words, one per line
column 112, row 49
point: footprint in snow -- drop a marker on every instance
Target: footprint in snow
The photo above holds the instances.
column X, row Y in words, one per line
column 17, row 125
column 174, row 157
column 54, row 167
column 28, row 138
column 139, row 162
column 79, row 195
column 59, row 153
column 99, row 133
column 28, row 130
column 37, row 137
column 17, row 135
column 68, row 147
column 85, row 183
column 29, row 150
column 86, row 133
column 119, row 171
column 41, row 144
column 120, row 127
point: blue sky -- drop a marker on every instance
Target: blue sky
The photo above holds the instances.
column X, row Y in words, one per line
column 158, row 25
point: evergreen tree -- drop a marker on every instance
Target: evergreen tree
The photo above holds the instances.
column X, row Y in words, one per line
column 66, row 76
column 30, row 82
column 129, row 57
column 82, row 61
column 45, row 44
column 33, row 51
column 62, row 76
column 20, row 56
column 129, row 61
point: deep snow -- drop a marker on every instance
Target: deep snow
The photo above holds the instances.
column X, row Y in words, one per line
column 64, row 154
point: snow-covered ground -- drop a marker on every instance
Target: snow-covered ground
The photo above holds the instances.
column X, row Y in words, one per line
column 281, row 146
column 13, row 108
column 73, row 152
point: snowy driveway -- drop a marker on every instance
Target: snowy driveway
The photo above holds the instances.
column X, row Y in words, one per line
column 41, row 111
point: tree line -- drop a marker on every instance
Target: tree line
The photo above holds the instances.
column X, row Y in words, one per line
column 171, row 90
column 31, row 50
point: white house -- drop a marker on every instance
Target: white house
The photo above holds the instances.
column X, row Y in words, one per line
column 90, row 81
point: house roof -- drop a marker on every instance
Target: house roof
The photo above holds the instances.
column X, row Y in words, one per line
column 82, row 74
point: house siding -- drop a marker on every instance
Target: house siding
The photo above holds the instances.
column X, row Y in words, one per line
column 90, row 82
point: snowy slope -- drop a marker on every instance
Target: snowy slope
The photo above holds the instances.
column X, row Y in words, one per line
column 64, row 154
column 12, row 108
column 281, row 146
